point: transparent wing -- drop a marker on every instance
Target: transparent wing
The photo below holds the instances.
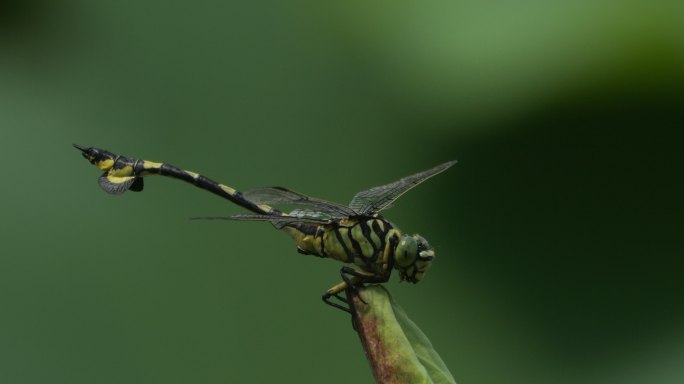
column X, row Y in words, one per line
column 310, row 214
column 280, row 195
column 378, row 198
column 277, row 221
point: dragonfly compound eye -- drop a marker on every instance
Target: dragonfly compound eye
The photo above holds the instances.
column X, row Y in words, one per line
column 413, row 257
column 406, row 252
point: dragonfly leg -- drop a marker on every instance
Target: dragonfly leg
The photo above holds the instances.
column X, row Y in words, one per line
column 351, row 285
column 327, row 299
column 335, row 292
column 351, row 279
column 364, row 277
column 361, row 278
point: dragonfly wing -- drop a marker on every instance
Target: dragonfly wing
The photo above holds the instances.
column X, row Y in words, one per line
column 378, row 198
column 280, row 195
column 277, row 221
column 309, row 214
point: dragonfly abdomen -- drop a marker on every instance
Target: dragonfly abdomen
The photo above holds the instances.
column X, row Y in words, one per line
column 123, row 173
column 205, row 183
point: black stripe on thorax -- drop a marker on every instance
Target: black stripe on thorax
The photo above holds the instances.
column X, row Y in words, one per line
column 320, row 233
column 393, row 242
column 386, row 227
column 355, row 244
column 366, row 231
column 380, row 233
column 340, row 240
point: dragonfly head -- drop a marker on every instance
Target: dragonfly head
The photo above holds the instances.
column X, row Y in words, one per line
column 98, row 157
column 413, row 257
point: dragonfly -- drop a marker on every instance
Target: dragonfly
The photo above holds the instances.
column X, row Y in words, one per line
column 355, row 234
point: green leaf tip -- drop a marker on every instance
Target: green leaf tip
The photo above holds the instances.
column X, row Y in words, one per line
column 398, row 351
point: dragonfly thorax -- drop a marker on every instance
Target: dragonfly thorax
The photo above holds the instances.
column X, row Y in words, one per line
column 413, row 257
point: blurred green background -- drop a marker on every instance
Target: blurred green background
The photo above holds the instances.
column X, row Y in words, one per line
column 558, row 234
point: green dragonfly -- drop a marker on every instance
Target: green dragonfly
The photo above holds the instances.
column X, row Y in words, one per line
column 356, row 234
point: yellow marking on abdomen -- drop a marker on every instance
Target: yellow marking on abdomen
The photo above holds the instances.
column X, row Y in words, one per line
column 192, row 174
column 151, row 165
column 148, row 166
column 233, row 192
column 119, row 179
column 227, row 189
column 105, row 164
column 125, row 171
column 264, row 207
